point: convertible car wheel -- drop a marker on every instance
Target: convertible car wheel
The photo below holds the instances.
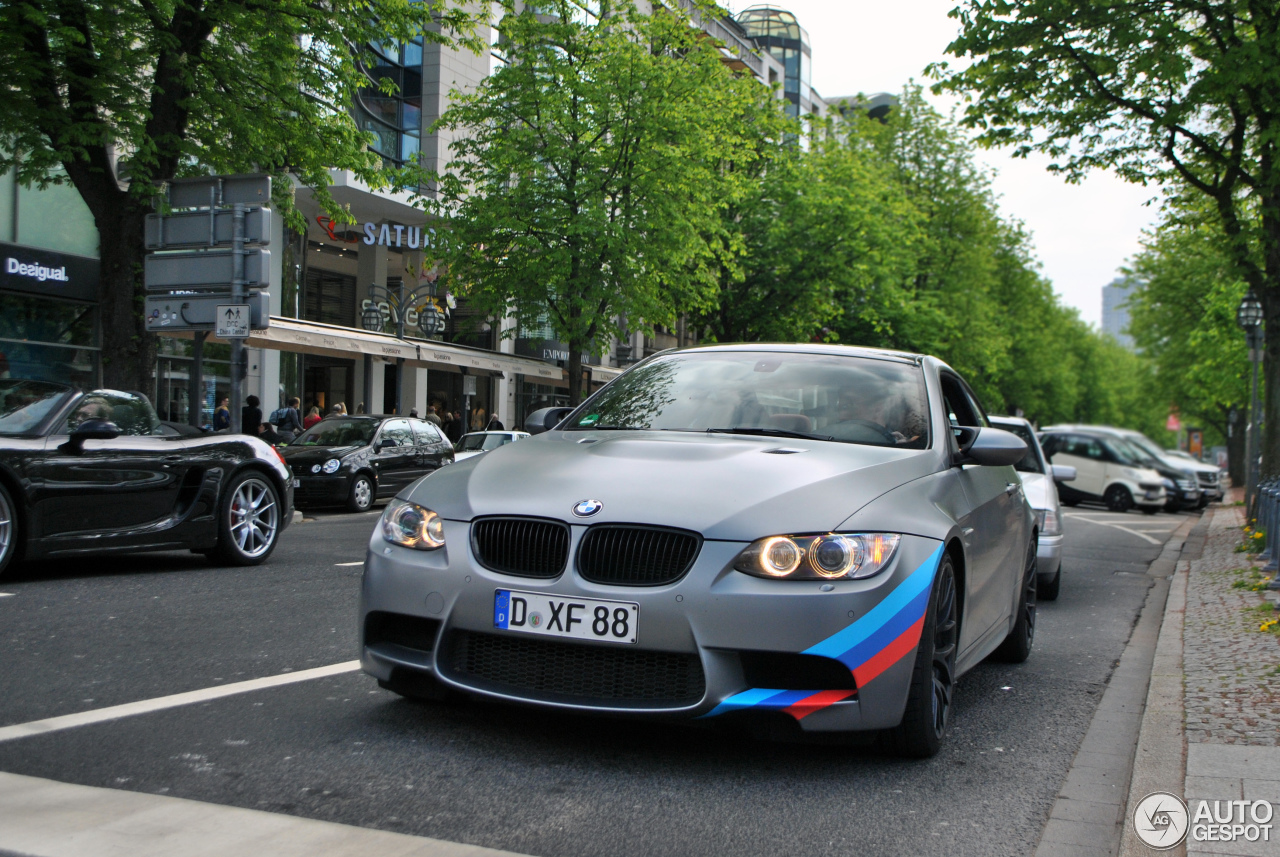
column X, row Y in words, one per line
column 249, row 524
column 924, row 723
column 361, row 496
column 8, row 530
column 1016, row 647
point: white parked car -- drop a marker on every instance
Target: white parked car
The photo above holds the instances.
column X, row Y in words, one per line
column 1208, row 479
column 471, row 445
column 1107, row 470
column 1039, row 479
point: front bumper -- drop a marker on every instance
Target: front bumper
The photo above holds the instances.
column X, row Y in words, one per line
column 431, row 612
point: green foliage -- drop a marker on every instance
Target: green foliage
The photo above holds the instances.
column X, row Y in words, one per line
column 585, row 184
column 1181, row 92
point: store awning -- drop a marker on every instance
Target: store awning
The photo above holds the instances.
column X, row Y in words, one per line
column 309, row 337
column 604, row 374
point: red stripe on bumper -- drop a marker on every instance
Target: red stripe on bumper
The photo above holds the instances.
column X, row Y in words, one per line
column 890, row 654
column 817, row 702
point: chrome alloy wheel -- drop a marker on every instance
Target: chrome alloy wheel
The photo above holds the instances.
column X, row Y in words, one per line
column 363, row 493
column 6, row 528
column 255, row 517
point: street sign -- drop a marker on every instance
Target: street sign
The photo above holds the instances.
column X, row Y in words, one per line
column 198, row 312
column 226, row 191
column 206, row 228
column 1173, row 423
column 232, row 321
column 210, row 269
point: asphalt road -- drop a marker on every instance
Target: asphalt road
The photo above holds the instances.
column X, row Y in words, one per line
column 80, row 636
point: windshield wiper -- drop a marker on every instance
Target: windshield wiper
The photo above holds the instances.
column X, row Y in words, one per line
column 769, row 432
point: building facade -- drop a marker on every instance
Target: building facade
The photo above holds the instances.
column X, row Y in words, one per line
column 1115, row 312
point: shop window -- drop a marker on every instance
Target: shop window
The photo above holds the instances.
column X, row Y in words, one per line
column 329, row 298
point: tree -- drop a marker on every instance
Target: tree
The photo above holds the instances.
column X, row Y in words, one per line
column 585, row 182
column 119, row 97
column 1181, row 91
column 1182, row 316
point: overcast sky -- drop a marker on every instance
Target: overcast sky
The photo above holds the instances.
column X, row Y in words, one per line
column 1082, row 233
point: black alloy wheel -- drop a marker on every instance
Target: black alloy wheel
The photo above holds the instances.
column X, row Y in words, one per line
column 1016, row 647
column 1118, row 498
column 928, row 711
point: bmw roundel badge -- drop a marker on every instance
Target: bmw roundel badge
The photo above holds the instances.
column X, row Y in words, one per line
column 587, row 508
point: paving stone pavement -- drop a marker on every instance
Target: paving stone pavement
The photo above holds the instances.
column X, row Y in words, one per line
column 1232, row 681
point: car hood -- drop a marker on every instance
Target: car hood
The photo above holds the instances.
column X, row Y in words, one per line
column 723, row 486
column 1039, row 490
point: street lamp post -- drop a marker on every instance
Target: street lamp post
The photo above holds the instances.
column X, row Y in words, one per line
column 430, row 321
column 1249, row 318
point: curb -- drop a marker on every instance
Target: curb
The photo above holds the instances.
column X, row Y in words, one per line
column 1088, row 816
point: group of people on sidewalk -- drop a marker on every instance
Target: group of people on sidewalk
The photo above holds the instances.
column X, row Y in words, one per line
column 286, row 423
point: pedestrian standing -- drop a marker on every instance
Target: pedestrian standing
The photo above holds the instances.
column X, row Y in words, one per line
column 287, row 420
column 477, row 419
column 432, row 417
column 338, row 410
column 495, row 424
column 453, row 428
column 251, row 416
column 313, row 417
column 222, row 415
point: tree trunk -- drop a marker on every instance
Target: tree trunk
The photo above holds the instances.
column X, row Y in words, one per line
column 128, row 350
column 575, row 373
column 1269, row 385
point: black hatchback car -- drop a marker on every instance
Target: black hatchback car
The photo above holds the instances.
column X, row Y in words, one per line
column 353, row 460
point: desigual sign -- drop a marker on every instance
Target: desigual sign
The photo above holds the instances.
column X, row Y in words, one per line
column 43, row 272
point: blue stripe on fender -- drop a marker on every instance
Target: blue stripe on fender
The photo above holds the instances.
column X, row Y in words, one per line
column 844, row 641
column 887, row 633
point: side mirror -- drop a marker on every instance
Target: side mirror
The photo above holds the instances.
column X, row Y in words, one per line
column 384, row 443
column 89, row 430
column 545, row 419
column 990, row 447
column 1063, row 472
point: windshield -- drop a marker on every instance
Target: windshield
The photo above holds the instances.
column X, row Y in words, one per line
column 1145, row 444
column 1029, row 463
column 337, row 432
column 25, row 404
column 473, row 442
column 774, row 393
column 1129, row 454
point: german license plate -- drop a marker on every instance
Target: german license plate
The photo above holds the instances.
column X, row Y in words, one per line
column 578, row 618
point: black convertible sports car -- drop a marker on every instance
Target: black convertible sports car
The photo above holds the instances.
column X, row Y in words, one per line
column 92, row 472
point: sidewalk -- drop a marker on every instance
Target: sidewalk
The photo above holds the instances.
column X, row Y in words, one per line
column 1211, row 724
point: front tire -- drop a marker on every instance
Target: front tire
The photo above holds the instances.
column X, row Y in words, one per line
column 362, row 493
column 1118, row 499
column 1016, row 647
column 248, row 520
column 928, row 712
column 8, row 530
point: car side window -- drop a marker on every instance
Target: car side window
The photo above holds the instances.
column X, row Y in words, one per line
column 427, row 434
column 397, row 431
column 1092, row 448
column 132, row 413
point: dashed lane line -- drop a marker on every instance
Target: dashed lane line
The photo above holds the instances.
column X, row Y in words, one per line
column 160, row 703
column 6, row 594
column 345, row 564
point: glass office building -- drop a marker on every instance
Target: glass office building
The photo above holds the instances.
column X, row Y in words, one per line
column 776, row 30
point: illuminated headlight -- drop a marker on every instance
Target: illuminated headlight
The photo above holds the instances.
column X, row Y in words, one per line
column 1050, row 523
column 830, row 556
column 332, row 465
column 412, row 526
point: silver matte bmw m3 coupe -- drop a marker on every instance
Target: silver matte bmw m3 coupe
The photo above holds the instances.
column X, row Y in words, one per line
column 824, row 536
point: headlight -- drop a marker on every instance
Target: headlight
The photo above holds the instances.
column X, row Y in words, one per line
column 1168, row 484
column 1050, row 523
column 412, row 526
column 332, row 465
column 831, row 556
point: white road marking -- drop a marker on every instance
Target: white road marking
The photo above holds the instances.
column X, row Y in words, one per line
column 6, row 594
column 146, row 706
column 1115, row 526
column 344, row 564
